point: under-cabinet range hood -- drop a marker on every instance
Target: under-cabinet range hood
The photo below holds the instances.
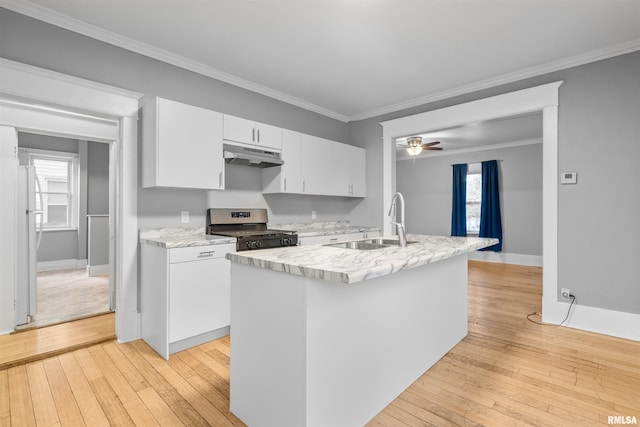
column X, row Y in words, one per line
column 249, row 156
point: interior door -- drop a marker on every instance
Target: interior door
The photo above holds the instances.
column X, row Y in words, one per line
column 8, row 230
column 26, row 229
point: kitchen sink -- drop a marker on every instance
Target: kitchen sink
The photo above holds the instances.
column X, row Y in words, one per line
column 368, row 244
column 360, row 244
column 385, row 242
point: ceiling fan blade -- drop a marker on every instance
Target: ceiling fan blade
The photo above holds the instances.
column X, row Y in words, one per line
column 431, row 148
column 429, row 144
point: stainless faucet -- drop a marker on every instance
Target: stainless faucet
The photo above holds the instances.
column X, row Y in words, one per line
column 402, row 236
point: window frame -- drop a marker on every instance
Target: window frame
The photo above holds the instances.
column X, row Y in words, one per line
column 473, row 169
column 73, row 194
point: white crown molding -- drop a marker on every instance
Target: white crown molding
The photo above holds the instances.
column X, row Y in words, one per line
column 526, row 73
column 474, row 149
column 55, row 18
column 28, row 8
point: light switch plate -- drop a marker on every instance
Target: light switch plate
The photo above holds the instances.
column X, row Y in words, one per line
column 184, row 216
column 568, row 178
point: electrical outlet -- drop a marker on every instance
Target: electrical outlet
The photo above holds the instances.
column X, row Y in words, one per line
column 565, row 293
column 184, row 216
column 313, row 215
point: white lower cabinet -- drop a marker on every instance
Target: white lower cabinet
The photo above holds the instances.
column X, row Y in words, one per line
column 185, row 296
column 335, row 238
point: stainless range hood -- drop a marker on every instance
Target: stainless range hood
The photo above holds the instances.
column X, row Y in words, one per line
column 249, row 156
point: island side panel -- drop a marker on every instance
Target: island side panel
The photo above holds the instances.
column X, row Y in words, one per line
column 268, row 347
column 154, row 298
column 368, row 341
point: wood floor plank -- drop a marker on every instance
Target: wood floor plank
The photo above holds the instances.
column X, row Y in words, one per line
column 20, row 403
column 68, row 410
column 5, row 408
column 44, row 407
column 162, row 413
column 90, row 408
column 147, row 360
column 113, row 409
column 121, row 387
column 133, row 377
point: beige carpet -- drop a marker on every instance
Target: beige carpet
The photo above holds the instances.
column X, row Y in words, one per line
column 69, row 294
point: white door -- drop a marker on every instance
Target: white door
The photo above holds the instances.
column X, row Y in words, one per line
column 8, row 231
column 26, row 242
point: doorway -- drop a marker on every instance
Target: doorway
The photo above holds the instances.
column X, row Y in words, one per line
column 37, row 100
column 540, row 98
column 70, row 197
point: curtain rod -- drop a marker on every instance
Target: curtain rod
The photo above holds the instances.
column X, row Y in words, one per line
column 497, row 160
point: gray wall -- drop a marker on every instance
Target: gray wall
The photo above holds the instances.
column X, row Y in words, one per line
column 36, row 43
column 599, row 134
column 97, row 178
column 427, row 185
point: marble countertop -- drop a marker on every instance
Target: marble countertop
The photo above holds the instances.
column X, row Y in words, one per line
column 352, row 265
column 327, row 228
column 181, row 237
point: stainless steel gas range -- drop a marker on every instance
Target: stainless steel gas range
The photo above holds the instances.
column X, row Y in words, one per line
column 249, row 226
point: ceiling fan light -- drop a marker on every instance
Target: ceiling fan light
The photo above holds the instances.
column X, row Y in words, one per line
column 414, row 150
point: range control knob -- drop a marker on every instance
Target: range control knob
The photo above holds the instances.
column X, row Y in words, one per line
column 285, row 241
column 255, row 244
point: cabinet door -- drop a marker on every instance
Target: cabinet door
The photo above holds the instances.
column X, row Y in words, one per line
column 199, row 297
column 316, row 158
column 357, row 170
column 237, row 129
column 189, row 146
column 291, row 169
column 268, row 136
column 341, row 162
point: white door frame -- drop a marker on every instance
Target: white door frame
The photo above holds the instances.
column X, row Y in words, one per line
column 540, row 98
column 41, row 101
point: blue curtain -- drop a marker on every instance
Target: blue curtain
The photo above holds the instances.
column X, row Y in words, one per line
column 459, row 205
column 490, row 219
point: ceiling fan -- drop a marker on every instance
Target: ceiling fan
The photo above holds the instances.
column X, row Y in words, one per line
column 414, row 145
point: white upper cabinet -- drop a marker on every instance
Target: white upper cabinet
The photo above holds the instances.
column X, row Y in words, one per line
column 181, row 146
column 237, row 129
column 317, row 166
column 288, row 177
column 315, row 163
column 356, row 159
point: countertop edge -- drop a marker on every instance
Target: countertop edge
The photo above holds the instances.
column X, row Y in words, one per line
column 379, row 268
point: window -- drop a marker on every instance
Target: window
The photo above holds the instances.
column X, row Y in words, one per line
column 474, row 197
column 57, row 174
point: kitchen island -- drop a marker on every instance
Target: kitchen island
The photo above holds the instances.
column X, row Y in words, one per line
column 328, row 336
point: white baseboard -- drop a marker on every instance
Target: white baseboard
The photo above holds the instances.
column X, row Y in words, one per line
column 62, row 264
column 506, row 258
column 599, row 320
column 96, row 270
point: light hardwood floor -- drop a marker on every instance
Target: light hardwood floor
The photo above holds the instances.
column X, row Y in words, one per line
column 506, row 372
column 36, row 344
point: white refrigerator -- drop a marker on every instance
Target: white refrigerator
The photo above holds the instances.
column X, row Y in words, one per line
column 29, row 235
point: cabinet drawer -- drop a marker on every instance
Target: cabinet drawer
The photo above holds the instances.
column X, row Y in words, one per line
column 195, row 253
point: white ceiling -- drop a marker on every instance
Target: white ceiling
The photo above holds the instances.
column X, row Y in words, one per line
column 505, row 132
column 353, row 59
